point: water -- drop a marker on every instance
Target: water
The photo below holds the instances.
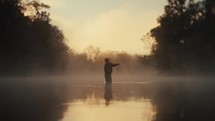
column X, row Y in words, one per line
column 69, row 100
column 102, row 104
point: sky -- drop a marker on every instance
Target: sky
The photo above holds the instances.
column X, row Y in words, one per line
column 111, row 25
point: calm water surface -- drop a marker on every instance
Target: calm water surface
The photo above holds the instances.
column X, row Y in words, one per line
column 67, row 100
column 106, row 103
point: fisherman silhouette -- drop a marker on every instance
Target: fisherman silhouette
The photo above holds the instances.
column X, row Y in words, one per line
column 108, row 70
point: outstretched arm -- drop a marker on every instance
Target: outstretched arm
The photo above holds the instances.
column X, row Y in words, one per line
column 114, row 64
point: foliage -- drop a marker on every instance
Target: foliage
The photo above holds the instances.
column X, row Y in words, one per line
column 28, row 40
column 184, row 37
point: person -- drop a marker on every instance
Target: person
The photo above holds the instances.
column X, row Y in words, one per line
column 108, row 70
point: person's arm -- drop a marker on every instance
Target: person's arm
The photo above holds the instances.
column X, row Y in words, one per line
column 114, row 64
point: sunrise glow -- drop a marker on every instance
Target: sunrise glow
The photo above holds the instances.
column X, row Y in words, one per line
column 108, row 24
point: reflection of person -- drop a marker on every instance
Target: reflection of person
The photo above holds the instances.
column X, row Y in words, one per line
column 108, row 94
column 108, row 70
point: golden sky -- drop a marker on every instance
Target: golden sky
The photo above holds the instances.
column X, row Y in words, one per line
column 114, row 25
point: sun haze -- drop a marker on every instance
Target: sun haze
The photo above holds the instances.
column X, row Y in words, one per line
column 113, row 25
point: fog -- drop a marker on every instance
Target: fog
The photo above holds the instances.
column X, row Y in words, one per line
column 89, row 67
column 42, row 79
column 80, row 88
column 50, row 98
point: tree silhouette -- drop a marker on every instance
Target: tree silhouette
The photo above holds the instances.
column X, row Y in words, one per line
column 28, row 40
column 184, row 38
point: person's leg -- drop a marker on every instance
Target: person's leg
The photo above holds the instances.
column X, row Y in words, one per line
column 108, row 77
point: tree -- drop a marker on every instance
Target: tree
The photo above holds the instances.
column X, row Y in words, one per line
column 29, row 41
column 184, row 34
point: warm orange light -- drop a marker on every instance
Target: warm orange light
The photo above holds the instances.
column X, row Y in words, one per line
column 93, row 109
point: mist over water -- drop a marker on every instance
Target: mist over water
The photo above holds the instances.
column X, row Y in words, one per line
column 68, row 99
column 42, row 79
column 138, row 92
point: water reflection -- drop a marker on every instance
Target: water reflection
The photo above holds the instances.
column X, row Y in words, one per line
column 56, row 100
column 108, row 93
column 27, row 100
column 94, row 108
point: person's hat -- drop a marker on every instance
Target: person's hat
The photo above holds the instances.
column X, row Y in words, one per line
column 106, row 59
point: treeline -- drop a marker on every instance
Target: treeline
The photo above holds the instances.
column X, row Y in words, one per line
column 28, row 41
column 185, row 38
column 92, row 61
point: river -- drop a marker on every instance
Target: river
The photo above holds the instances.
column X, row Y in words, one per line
column 69, row 100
